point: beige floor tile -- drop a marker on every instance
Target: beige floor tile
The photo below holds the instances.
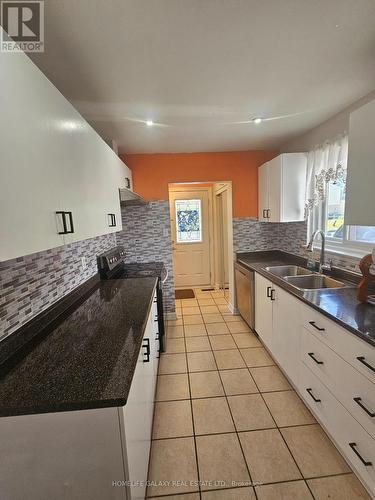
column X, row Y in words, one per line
column 219, row 342
column 234, row 318
column 172, row 461
column 346, row 487
column 217, row 293
column 178, row 312
column 213, row 318
column 313, row 451
column 195, row 330
column 172, row 363
column 177, row 302
column 267, row 456
column 212, row 416
column 201, row 361
column 189, row 311
column 229, row 359
column 220, row 459
column 238, row 382
column 224, row 310
column 195, row 319
column 174, row 332
column 238, row 327
column 196, row 344
column 174, row 322
column 288, row 409
column 175, row 345
column 250, row 412
column 269, row 378
column 256, row 356
column 206, row 302
column 284, row 491
column 217, row 328
column 186, row 496
column 248, row 339
column 246, row 493
column 172, row 387
column 209, row 309
column 172, row 419
column 205, row 384
column 189, row 302
column 220, row 301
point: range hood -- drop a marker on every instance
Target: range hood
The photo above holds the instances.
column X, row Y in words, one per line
column 128, row 197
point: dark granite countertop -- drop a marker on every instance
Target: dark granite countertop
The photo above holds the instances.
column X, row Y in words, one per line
column 339, row 304
column 88, row 359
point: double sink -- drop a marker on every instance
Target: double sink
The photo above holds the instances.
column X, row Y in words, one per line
column 303, row 278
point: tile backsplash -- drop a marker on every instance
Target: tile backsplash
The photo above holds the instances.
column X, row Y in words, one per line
column 146, row 236
column 30, row 284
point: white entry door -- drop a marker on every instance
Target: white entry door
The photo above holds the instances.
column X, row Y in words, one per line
column 190, row 237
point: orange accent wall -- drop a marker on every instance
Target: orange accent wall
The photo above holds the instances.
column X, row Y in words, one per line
column 153, row 172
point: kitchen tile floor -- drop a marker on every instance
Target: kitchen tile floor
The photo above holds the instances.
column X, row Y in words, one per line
column 226, row 416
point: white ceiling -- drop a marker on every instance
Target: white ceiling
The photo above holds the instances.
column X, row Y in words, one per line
column 196, row 66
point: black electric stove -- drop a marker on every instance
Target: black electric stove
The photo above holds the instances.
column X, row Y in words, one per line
column 111, row 265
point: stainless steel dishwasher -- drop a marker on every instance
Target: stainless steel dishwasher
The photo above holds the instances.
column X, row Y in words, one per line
column 245, row 291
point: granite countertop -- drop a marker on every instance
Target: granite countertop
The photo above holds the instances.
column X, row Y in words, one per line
column 88, row 359
column 339, row 304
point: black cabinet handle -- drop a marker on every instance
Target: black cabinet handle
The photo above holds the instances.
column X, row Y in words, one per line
column 264, row 213
column 269, row 291
column 359, row 403
column 309, row 391
column 272, row 294
column 366, row 463
column 156, row 319
column 268, row 213
column 362, row 360
column 146, row 345
column 112, row 220
column 64, row 222
column 312, row 323
column 127, row 180
column 312, row 356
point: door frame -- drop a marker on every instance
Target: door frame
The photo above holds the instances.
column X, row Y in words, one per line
column 185, row 188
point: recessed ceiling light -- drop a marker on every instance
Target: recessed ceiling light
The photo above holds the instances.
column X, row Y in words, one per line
column 149, row 123
column 257, row 120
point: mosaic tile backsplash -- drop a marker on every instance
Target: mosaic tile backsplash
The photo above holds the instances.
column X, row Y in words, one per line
column 28, row 285
column 146, row 236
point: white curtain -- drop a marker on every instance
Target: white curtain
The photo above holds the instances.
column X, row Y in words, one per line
column 327, row 162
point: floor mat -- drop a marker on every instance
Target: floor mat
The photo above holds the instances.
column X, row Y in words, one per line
column 187, row 293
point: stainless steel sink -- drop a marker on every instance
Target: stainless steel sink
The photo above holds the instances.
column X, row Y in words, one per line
column 313, row 282
column 288, row 270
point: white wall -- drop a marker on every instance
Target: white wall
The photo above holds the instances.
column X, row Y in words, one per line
column 329, row 129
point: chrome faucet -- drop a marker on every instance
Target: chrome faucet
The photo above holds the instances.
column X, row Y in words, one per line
column 309, row 248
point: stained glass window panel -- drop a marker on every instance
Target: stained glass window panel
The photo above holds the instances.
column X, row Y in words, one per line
column 188, row 221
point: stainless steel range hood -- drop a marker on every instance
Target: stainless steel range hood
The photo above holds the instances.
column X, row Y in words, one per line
column 128, row 197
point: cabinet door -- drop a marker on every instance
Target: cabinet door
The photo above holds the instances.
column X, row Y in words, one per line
column 263, row 193
column 263, row 309
column 275, row 187
column 286, row 336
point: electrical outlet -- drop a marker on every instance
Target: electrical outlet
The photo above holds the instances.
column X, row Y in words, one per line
column 83, row 263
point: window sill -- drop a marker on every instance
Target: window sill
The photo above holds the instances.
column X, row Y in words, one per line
column 345, row 251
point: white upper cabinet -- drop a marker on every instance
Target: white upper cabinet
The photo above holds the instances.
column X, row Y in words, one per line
column 360, row 199
column 281, row 188
column 51, row 161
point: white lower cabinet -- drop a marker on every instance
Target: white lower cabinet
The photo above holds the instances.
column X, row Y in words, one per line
column 88, row 454
column 325, row 364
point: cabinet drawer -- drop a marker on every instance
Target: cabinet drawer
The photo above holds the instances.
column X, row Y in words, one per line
column 350, row 387
column 355, row 443
column 357, row 352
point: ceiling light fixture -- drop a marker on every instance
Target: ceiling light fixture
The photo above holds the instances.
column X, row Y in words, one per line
column 257, row 120
column 149, row 123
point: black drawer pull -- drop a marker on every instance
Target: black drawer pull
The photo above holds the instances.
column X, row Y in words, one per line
column 309, row 391
column 268, row 213
column 264, row 213
column 269, row 291
column 273, row 294
column 366, row 463
column 64, row 222
column 359, row 403
column 312, row 356
column 312, row 323
column 112, row 220
column 362, row 360
column 156, row 319
column 146, row 345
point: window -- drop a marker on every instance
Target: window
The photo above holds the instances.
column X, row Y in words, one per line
column 188, row 221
